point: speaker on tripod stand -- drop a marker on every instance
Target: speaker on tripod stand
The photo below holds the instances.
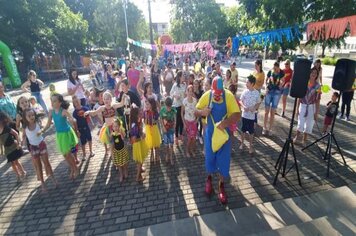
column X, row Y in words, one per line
column 298, row 89
column 343, row 80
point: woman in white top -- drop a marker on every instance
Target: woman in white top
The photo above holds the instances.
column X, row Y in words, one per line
column 168, row 78
column 75, row 87
column 37, row 146
column 178, row 92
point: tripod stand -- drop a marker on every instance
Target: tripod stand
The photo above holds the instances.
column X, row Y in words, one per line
column 331, row 137
column 283, row 156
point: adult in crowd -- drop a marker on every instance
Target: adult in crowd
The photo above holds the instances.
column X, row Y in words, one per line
column 308, row 107
column 317, row 66
column 156, row 77
column 186, row 71
column 34, row 86
column 178, row 92
column 75, row 87
column 109, row 77
column 288, row 74
column 274, row 84
column 132, row 98
column 259, row 74
column 133, row 76
column 347, row 97
column 234, row 74
column 121, row 63
column 168, row 79
column 219, row 106
column 7, row 105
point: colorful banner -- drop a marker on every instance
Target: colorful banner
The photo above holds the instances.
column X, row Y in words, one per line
column 264, row 38
column 179, row 48
column 331, row 29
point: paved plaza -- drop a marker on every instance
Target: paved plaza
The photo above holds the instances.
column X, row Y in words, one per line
column 96, row 203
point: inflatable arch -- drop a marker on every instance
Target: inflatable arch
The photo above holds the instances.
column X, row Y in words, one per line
column 10, row 65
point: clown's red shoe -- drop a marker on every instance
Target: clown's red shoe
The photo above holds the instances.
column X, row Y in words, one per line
column 222, row 194
column 208, row 186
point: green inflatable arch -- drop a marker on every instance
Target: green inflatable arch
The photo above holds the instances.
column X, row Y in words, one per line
column 10, row 65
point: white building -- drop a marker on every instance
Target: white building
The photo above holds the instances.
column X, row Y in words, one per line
column 160, row 27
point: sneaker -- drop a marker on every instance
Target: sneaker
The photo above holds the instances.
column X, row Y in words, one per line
column 341, row 117
column 201, row 140
column 347, row 118
column 83, row 158
column 208, row 186
column 222, row 195
column 264, row 131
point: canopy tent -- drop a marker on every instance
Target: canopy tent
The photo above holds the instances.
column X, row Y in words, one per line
column 331, row 29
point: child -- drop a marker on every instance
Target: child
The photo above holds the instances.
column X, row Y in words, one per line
column 38, row 109
column 330, row 111
column 83, row 126
column 22, row 104
column 249, row 101
column 189, row 120
column 9, row 138
column 37, row 146
column 108, row 112
column 66, row 138
column 233, row 90
column 198, row 92
column 168, row 119
column 153, row 136
column 137, row 138
column 52, row 89
column 119, row 150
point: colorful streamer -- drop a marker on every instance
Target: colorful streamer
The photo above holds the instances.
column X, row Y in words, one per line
column 180, row 48
column 267, row 37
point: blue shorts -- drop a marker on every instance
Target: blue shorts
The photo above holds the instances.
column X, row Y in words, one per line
column 285, row 91
column 248, row 126
column 217, row 161
column 168, row 138
column 85, row 135
column 272, row 98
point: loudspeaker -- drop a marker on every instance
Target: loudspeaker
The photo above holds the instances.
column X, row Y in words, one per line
column 344, row 74
column 300, row 78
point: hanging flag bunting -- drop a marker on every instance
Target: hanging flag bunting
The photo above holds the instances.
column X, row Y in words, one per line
column 267, row 37
column 331, row 29
column 180, row 48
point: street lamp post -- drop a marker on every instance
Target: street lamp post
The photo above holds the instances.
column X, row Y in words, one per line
column 150, row 22
column 127, row 31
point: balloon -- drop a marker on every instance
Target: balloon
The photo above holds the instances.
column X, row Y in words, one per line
column 325, row 88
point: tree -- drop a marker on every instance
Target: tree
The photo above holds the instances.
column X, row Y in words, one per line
column 45, row 26
column 328, row 9
column 274, row 14
column 110, row 23
column 195, row 21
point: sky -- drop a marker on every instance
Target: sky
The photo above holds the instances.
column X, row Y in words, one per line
column 161, row 8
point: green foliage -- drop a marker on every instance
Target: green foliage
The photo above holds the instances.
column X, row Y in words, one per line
column 329, row 61
column 47, row 26
column 195, row 21
column 109, row 23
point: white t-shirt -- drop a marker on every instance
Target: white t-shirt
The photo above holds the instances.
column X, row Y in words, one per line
column 178, row 94
column 249, row 99
column 79, row 92
column 32, row 136
column 189, row 109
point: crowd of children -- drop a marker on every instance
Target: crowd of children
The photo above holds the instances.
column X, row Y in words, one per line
column 139, row 117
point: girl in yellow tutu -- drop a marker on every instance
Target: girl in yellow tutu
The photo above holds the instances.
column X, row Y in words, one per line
column 137, row 138
column 108, row 112
column 153, row 136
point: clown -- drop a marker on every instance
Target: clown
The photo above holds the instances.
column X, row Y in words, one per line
column 217, row 105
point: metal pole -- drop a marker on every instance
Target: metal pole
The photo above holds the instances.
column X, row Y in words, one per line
column 150, row 21
column 127, row 31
